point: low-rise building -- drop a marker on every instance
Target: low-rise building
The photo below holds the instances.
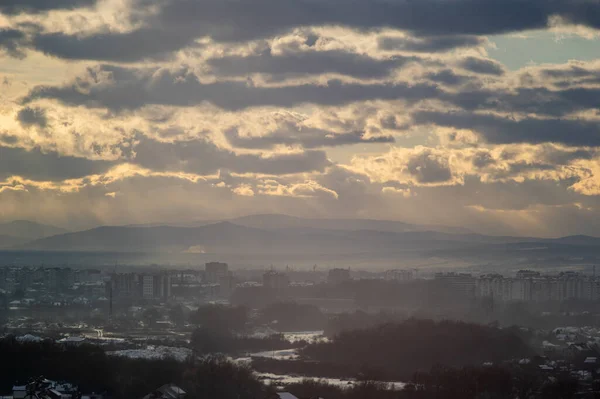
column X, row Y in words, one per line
column 167, row 391
column 337, row 276
column 461, row 283
column 213, row 271
column 275, row 280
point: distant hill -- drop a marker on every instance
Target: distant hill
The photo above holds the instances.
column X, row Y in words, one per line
column 227, row 237
column 279, row 221
column 577, row 240
column 26, row 229
column 21, row 231
column 264, row 238
column 231, row 238
column 10, row 241
column 276, row 221
column 213, row 237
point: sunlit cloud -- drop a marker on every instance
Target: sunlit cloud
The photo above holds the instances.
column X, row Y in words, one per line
column 132, row 111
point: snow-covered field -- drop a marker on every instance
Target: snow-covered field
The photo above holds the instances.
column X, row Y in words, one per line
column 154, row 352
column 309, row 336
column 275, row 379
column 285, row 354
column 29, row 338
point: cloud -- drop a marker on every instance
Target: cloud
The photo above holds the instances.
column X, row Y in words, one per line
column 32, row 116
column 145, row 43
column 129, row 88
column 11, row 41
column 411, row 167
column 542, row 101
column 562, row 156
column 37, row 6
column 428, row 167
column 120, row 88
column 498, row 130
column 244, row 190
column 307, row 189
column 443, row 23
column 503, row 195
column 37, row 165
column 447, row 77
column 482, row 159
column 306, row 137
column 573, row 74
column 301, row 63
column 188, row 121
column 429, row 44
column 482, row 66
column 573, row 71
column 204, row 158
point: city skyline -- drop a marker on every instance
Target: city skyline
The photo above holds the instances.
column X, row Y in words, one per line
column 299, row 199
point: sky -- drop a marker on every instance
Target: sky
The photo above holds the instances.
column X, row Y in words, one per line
column 474, row 113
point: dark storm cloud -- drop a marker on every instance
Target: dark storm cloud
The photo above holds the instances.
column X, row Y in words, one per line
column 564, row 78
column 520, row 169
column 36, row 6
column 483, row 159
column 306, row 137
column 235, row 20
column 499, row 130
column 429, row 44
column 429, row 168
column 568, row 73
column 127, row 47
column 131, row 88
column 203, row 157
column 8, row 139
column 503, row 195
column 537, row 100
column 182, row 21
column 32, row 116
column 558, row 156
column 11, row 41
column 482, row 66
column 37, row 165
column 308, row 63
column 448, row 77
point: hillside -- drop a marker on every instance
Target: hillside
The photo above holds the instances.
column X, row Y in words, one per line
column 25, row 229
column 396, row 350
column 154, row 239
column 227, row 238
column 303, row 242
column 7, row 241
column 19, row 232
column 276, row 222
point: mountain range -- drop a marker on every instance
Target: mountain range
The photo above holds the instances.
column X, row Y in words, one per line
column 22, row 231
column 287, row 236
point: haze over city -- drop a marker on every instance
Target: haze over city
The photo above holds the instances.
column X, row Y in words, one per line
column 299, row 199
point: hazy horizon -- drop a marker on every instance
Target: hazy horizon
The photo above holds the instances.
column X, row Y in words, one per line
column 295, row 199
column 185, row 223
column 117, row 112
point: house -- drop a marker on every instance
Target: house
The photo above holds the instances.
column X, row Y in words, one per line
column 43, row 388
column 287, row 395
column 72, row 341
column 19, row 391
column 167, row 391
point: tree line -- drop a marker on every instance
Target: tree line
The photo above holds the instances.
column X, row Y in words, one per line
column 399, row 349
column 92, row 370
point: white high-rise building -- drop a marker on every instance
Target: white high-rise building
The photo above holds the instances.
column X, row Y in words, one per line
column 148, row 287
